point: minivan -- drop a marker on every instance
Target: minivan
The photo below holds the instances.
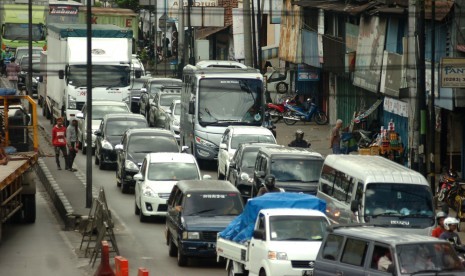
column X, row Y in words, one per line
column 197, row 211
column 295, row 169
column 361, row 249
column 374, row 189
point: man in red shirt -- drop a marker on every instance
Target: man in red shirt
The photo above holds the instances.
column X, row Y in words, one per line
column 440, row 216
column 59, row 142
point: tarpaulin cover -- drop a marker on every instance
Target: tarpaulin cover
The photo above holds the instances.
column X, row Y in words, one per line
column 241, row 228
column 98, row 30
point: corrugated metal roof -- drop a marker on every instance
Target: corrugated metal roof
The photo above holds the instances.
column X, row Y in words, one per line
column 341, row 7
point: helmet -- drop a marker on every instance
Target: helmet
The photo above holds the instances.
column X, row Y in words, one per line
column 270, row 181
column 450, row 221
column 299, row 134
column 452, row 173
column 441, row 214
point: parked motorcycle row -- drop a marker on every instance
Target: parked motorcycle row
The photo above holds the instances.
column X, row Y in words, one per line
column 451, row 193
column 292, row 112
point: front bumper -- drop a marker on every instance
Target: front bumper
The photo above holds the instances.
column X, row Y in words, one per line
column 108, row 156
column 198, row 249
column 206, row 152
column 153, row 206
column 291, row 268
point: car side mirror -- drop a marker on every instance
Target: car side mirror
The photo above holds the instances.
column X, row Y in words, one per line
column 61, row 74
column 98, row 133
column 259, row 234
column 80, row 116
column 119, row 147
column 354, row 205
column 138, row 177
column 41, row 79
column 184, row 149
column 207, row 177
column 223, row 146
column 143, row 90
column 232, row 164
column 138, row 74
column 191, row 107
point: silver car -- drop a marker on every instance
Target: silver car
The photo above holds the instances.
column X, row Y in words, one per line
column 99, row 109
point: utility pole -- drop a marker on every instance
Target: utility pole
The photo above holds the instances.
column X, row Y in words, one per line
column 181, row 41
column 246, row 17
column 259, row 36
column 254, row 38
column 29, row 71
column 413, row 125
column 432, row 126
column 190, row 3
column 421, row 88
column 89, row 110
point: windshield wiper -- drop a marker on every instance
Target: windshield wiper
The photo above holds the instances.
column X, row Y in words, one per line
column 386, row 214
column 201, row 212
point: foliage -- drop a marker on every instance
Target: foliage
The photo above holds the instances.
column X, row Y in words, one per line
column 129, row 4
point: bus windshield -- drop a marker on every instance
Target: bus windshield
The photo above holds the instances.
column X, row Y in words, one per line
column 20, row 31
column 102, row 75
column 226, row 100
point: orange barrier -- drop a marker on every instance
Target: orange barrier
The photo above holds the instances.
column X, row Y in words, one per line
column 142, row 272
column 104, row 268
column 121, row 266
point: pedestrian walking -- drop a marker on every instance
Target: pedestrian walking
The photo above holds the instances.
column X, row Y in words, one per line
column 166, row 44
column 335, row 139
column 59, row 142
column 5, row 58
column 12, row 70
column 72, row 142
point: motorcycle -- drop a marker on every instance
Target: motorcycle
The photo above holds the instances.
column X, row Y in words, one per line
column 277, row 110
column 446, row 180
column 459, row 249
column 455, row 199
column 295, row 113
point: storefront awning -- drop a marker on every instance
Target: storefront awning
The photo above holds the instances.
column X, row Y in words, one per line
column 340, row 7
column 208, row 31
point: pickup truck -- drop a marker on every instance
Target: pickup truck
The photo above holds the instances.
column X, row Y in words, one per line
column 17, row 179
column 284, row 241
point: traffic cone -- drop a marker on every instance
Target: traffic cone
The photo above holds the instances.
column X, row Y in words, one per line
column 142, row 271
column 121, row 266
column 104, row 268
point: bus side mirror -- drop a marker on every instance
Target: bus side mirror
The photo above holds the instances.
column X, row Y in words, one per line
column 354, row 205
column 191, row 107
column 138, row 74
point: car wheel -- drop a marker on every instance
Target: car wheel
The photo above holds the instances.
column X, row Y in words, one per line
column 172, row 249
column 96, row 160
column 124, row 187
column 118, row 179
column 136, row 209
column 101, row 165
column 84, row 149
column 182, row 259
column 262, row 272
column 220, row 175
column 142, row 217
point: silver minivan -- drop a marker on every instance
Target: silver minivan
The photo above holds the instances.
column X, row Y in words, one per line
column 366, row 250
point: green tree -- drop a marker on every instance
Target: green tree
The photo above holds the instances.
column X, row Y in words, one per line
column 129, row 4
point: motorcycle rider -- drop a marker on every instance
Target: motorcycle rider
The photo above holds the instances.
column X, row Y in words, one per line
column 269, row 186
column 440, row 217
column 5, row 58
column 299, row 141
column 450, row 225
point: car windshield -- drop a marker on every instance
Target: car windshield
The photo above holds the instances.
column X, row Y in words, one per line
column 297, row 228
column 248, row 158
column 428, row 257
column 296, row 170
column 213, row 204
column 177, row 109
column 20, row 31
column 22, row 52
column 99, row 111
column 226, row 101
column 136, row 85
column 151, row 143
column 167, row 99
column 117, row 128
column 102, row 75
column 388, row 199
column 24, row 64
column 236, row 140
column 172, row 171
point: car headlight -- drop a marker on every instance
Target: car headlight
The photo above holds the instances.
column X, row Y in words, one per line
column 204, row 142
column 273, row 255
column 106, row 145
column 147, row 191
column 245, row 177
column 190, row 235
column 71, row 102
column 129, row 165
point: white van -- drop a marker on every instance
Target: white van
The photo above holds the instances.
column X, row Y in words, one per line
column 373, row 189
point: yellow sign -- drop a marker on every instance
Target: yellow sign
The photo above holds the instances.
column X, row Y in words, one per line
column 453, row 72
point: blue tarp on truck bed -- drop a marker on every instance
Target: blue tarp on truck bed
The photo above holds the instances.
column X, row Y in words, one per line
column 241, row 228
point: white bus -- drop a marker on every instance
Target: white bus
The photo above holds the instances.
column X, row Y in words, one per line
column 215, row 95
column 375, row 190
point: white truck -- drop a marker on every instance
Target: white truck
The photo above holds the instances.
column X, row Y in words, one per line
column 285, row 241
column 67, row 66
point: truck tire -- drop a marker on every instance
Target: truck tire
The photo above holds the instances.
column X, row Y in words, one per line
column 29, row 208
column 182, row 259
column 262, row 272
column 231, row 271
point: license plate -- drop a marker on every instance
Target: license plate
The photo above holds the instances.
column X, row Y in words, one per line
column 307, row 273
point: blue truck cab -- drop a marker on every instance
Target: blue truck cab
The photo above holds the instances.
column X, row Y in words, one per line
column 197, row 211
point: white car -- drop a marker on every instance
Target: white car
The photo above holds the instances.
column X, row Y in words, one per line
column 156, row 178
column 232, row 137
column 173, row 118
